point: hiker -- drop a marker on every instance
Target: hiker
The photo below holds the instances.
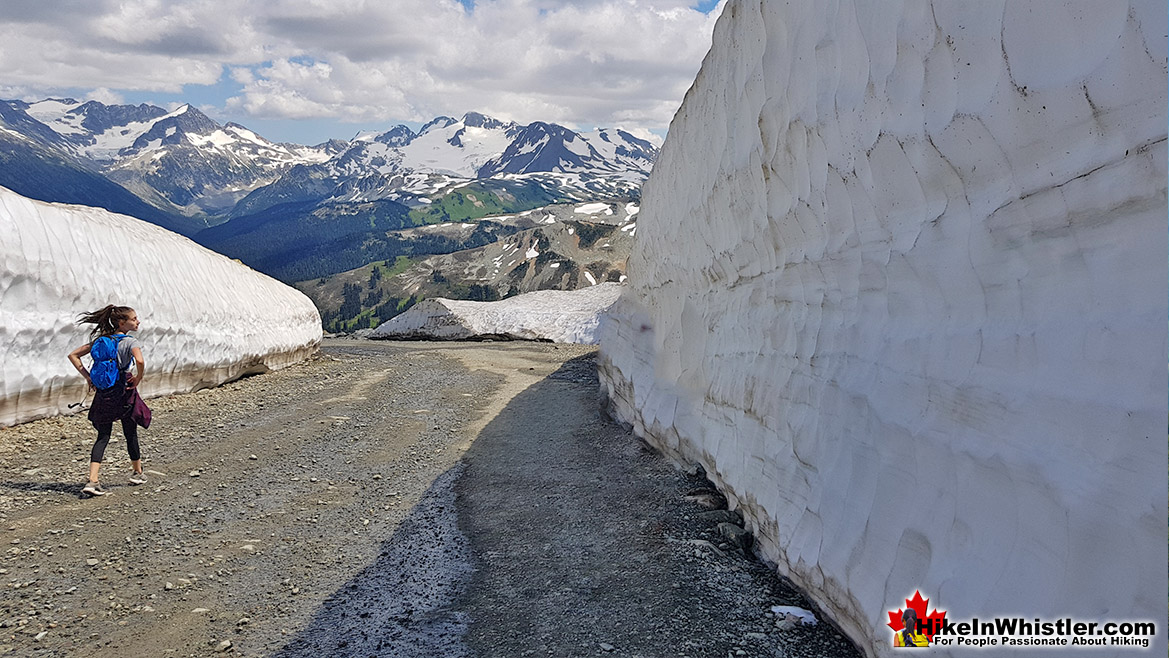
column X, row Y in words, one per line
column 114, row 376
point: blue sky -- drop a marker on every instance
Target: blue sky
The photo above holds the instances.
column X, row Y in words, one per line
column 305, row 71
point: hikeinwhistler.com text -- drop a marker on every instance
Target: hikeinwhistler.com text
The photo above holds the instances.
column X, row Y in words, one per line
column 1019, row 632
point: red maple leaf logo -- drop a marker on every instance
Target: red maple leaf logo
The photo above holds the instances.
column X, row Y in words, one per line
column 931, row 623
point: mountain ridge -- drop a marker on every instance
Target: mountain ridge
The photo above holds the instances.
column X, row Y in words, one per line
column 185, row 163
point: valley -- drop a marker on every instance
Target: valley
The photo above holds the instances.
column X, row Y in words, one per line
column 557, row 247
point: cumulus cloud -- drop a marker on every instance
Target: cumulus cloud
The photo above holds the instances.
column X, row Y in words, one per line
column 105, row 96
column 578, row 62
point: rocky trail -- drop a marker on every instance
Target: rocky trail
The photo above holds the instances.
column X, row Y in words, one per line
column 382, row 499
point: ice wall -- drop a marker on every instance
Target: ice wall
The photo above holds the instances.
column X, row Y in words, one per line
column 205, row 319
column 900, row 287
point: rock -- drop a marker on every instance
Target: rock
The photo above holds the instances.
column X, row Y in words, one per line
column 199, row 611
column 169, row 586
column 736, row 536
column 708, row 498
column 791, row 616
column 721, row 516
column 785, row 623
column 223, row 646
column 92, row 562
column 607, row 647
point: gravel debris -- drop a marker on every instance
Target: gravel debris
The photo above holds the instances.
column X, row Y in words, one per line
column 408, row 500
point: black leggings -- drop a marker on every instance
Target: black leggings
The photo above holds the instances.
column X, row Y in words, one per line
column 104, row 430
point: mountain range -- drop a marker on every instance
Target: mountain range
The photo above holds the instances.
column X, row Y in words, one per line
column 183, row 170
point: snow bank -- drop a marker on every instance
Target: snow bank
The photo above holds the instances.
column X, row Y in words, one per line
column 900, row 287
column 554, row 315
column 205, row 318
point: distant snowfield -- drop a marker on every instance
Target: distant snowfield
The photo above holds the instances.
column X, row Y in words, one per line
column 205, row 319
column 594, row 208
column 553, row 315
column 432, row 151
column 900, row 287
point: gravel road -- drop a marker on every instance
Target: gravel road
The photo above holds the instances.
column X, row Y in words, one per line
column 382, row 499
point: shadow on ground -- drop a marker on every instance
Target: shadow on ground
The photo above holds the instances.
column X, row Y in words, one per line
column 573, row 538
column 401, row 605
column 73, row 488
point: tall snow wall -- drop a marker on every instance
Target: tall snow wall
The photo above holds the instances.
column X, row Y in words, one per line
column 205, row 319
column 900, row 288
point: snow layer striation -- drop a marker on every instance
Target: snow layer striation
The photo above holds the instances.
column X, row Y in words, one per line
column 558, row 316
column 900, row 288
column 206, row 319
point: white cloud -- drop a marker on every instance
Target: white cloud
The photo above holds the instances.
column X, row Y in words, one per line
column 105, row 96
column 578, row 62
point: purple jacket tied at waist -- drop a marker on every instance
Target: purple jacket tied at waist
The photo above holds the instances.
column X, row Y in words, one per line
column 118, row 402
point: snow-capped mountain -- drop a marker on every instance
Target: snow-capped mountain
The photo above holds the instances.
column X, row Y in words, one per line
column 543, row 147
column 458, row 148
column 93, row 130
column 186, row 164
column 413, row 168
column 176, row 160
column 196, row 164
column 37, row 163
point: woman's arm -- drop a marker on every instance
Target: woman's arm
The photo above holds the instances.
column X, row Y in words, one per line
column 75, row 359
column 136, row 378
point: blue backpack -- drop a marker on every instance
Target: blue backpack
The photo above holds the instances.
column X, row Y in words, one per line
column 104, row 351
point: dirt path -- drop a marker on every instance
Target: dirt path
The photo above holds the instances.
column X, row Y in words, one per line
column 384, row 500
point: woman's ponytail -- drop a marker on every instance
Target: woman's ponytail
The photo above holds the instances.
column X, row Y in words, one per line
column 105, row 320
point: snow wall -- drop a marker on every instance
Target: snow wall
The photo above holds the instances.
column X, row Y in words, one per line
column 205, row 319
column 900, row 288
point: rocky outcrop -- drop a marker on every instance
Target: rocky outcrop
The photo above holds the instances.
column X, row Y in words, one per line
column 900, row 288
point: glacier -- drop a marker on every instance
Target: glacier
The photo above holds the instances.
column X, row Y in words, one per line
column 900, row 288
column 206, row 319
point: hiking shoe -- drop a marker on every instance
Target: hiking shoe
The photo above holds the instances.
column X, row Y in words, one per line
column 93, row 489
column 137, row 478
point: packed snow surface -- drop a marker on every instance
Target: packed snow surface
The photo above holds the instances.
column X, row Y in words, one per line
column 205, row 319
column 594, row 208
column 900, row 287
column 559, row 316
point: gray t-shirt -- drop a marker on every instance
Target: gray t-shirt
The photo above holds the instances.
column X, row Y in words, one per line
column 125, row 358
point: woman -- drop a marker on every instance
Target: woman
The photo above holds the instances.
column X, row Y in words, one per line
column 121, row 400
